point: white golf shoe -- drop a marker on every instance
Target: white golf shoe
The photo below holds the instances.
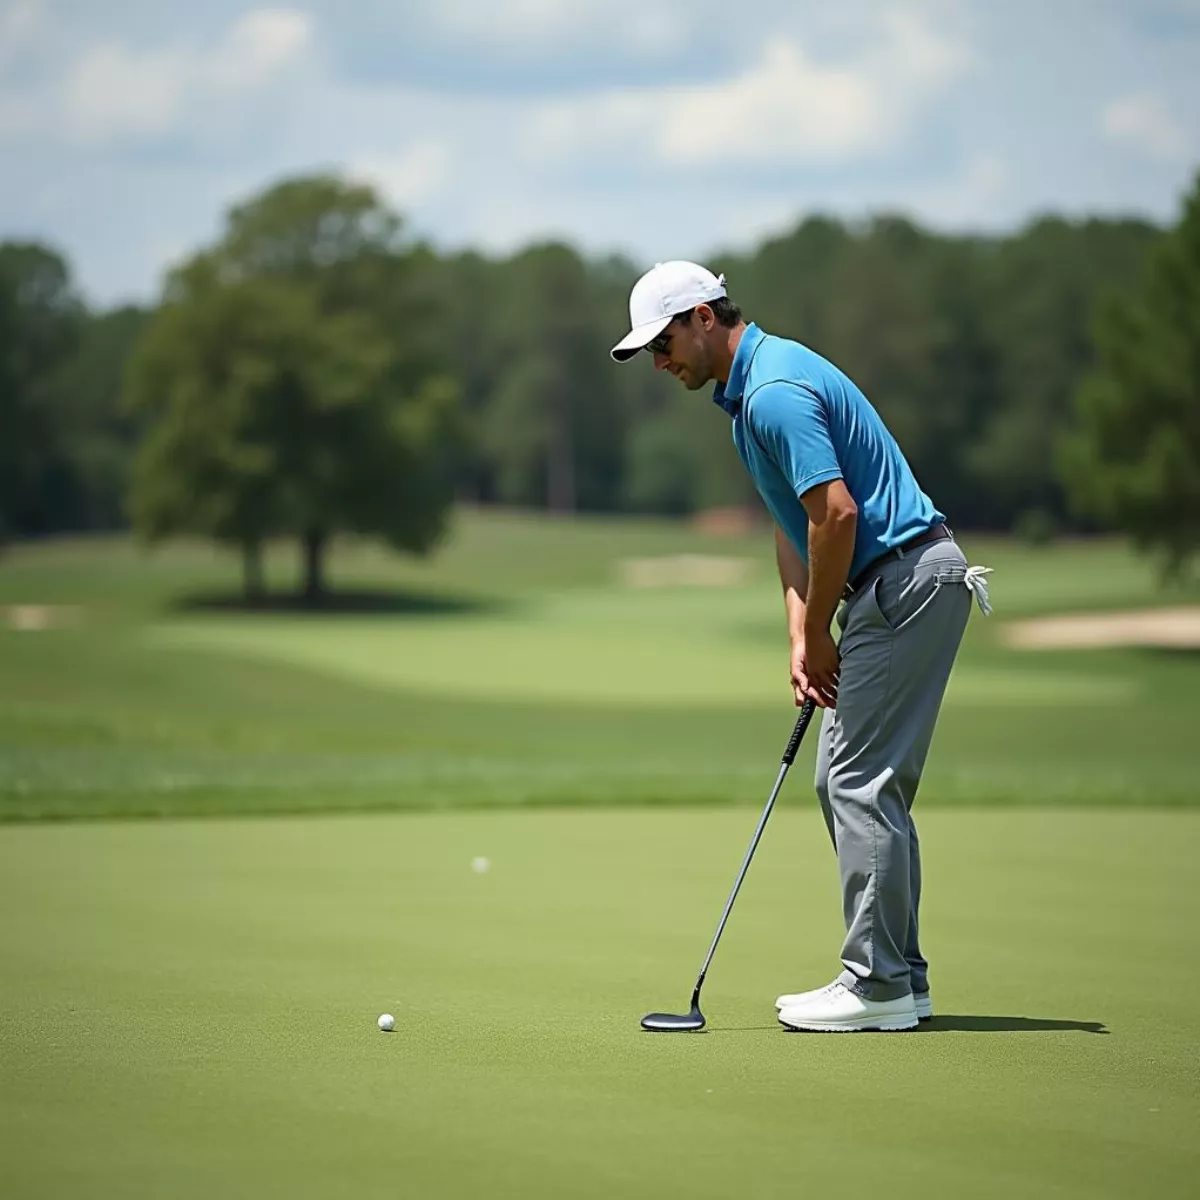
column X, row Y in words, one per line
column 836, row 1009
column 922, row 1000
column 792, row 999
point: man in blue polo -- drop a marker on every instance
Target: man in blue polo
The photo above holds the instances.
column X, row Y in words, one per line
column 855, row 536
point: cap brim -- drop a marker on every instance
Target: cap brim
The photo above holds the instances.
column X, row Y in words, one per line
column 638, row 338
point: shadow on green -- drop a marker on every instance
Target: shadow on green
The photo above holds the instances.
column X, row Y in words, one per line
column 968, row 1024
column 955, row 1023
column 365, row 601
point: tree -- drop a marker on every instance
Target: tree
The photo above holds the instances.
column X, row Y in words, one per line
column 1134, row 460
column 96, row 437
column 17, row 428
column 40, row 321
column 1040, row 290
column 899, row 310
column 553, row 428
column 660, row 475
column 278, row 396
column 970, row 347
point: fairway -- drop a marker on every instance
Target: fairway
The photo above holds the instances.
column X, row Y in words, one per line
column 518, row 668
column 189, row 1010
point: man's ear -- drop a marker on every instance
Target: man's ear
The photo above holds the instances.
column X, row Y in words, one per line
column 708, row 318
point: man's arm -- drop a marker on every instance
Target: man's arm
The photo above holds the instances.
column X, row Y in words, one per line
column 793, row 575
column 791, row 423
column 832, row 522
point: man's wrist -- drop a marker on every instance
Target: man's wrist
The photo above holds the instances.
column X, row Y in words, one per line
column 815, row 629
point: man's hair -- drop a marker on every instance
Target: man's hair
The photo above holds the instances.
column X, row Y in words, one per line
column 727, row 313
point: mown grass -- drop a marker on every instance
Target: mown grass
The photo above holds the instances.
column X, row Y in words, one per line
column 515, row 668
column 189, row 1010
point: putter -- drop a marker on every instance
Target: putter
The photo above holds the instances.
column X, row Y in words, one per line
column 692, row 1021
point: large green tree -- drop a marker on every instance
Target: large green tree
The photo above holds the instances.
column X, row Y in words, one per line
column 284, row 393
column 1134, row 460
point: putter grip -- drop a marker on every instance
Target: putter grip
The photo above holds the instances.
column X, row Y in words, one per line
column 806, row 714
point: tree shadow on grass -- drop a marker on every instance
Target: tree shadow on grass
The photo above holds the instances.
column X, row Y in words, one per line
column 968, row 1024
column 367, row 601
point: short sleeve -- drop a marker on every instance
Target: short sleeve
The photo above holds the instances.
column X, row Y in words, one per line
column 791, row 423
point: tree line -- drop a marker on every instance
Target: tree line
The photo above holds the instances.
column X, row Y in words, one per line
column 317, row 370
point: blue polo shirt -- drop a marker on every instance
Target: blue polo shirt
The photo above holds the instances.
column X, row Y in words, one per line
column 799, row 422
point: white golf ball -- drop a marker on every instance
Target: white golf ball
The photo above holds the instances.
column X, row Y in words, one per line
column 387, row 1023
column 480, row 865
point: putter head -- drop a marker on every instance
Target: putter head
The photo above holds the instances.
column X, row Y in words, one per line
column 674, row 1022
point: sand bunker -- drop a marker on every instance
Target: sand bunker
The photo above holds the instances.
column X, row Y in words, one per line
column 1174, row 628
column 27, row 618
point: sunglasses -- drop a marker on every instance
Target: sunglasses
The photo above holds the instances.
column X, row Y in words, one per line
column 662, row 343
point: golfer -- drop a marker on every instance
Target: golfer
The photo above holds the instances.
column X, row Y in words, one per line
column 855, row 536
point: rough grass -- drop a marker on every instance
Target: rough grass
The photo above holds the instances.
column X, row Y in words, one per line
column 516, row 669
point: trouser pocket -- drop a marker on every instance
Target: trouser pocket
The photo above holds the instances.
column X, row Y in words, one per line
column 906, row 588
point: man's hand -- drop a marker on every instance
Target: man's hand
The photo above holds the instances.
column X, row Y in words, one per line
column 815, row 669
column 799, row 674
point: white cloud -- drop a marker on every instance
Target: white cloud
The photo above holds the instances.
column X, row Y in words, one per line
column 542, row 26
column 411, row 177
column 1145, row 123
column 986, row 177
column 916, row 52
column 23, row 37
column 20, row 116
column 964, row 199
column 20, row 23
column 493, row 122
column 114, row 93
column 512, row 20
column 788, row 107
column 259, row 46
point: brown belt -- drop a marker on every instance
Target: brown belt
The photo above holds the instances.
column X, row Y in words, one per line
column 938, row 533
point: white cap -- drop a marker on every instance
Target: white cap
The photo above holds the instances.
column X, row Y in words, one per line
column 670, row 288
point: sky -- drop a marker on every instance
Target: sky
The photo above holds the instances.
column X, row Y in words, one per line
column 654, row 128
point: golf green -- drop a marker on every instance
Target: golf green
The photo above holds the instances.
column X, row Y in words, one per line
column 189, row 1009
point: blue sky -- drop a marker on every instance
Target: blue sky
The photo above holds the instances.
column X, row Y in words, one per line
column 659, row 129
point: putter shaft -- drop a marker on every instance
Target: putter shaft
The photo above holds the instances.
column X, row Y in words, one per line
column 789, row 756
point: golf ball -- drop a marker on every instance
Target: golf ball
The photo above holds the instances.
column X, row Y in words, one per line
column 387, row 1023
column 480, row 865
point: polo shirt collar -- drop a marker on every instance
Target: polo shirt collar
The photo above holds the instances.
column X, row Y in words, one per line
column 729, row 395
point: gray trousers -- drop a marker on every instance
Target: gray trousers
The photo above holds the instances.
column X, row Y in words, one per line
column 900, row 634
